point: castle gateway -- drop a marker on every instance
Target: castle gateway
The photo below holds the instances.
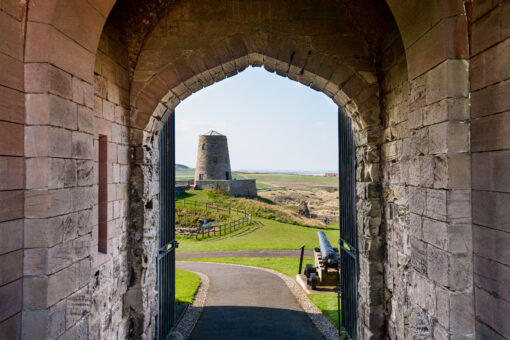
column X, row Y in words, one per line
column 86, row 87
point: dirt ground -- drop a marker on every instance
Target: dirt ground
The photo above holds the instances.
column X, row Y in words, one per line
column 321, row 201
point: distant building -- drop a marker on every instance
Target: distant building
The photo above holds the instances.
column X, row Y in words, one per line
column 213, row 162
column 213, row 167
column 331, row 174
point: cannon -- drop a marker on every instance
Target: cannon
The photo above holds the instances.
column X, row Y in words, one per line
column 328, row 253
column 326, row 270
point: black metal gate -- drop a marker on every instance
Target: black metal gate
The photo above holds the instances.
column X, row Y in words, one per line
column 167, row 243
column 348, row 233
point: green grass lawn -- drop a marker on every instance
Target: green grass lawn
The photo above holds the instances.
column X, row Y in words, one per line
column 258, row 207
column 186, row 286
column 328, row 305
column 285, row 265
column 262, row 234
column 280, row 179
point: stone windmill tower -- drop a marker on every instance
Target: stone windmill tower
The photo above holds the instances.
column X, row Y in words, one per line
column 213, row 162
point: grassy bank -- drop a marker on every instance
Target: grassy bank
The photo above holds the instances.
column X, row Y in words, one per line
column 262, row 234
column 258, row 207
column 186, row 286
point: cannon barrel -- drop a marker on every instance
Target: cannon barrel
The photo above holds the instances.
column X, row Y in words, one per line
column 328, row 254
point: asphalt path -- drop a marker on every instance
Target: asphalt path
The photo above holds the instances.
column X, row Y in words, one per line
column 243, row 253
column 248, row 303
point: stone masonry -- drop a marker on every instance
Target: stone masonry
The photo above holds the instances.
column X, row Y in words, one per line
column 213, row 161
column 213, row 167
column 426, row 85
column 235, row 187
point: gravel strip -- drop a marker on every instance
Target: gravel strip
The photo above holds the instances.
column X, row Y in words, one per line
column 192, row 313
column 320, row 320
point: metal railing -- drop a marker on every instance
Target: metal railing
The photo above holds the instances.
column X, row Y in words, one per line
column 221, row 229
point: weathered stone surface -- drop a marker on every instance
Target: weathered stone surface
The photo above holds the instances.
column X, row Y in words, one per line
column 12, row 236
column 85, row 172
column 77, row 306
column 11, row 265
column 436, row 204
column 437, row 265
column 37, row 172
column 419, row 324
column 48, row 323
column 436, row 233
column 417, row 200
column 62, row 113
column 419, row 255
column 11, row 326
column 80, row 331
column 11, row 173
column 36, row 141
column 82, row 145
column 492, row 311
column 62, row 284
column 59, row 141
column 43, row 232
column 489, row 243
column 442, row 296
column 489, row 209
column 462, row 319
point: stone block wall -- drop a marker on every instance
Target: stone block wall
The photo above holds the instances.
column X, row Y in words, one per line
column 236, row 188
column 59, row 193
column 490, row 145
column 110, row 271
column 434, row 259
column 426, row 177
column 12, row 165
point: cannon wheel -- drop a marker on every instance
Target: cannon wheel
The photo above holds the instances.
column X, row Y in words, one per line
column 313, row 280
column 309, row 269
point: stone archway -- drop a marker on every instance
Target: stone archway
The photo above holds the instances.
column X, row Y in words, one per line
column 417, row 85
column 167, row 72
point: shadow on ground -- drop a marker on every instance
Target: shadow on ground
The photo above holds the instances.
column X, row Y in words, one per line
column 241, row 322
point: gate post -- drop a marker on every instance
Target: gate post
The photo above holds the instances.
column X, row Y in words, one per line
column 167, row 243
column 349, row 268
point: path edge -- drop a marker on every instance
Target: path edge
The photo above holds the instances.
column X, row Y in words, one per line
column 319, row 320
column 190, row 318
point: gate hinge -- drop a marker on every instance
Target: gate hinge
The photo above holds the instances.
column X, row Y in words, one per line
column 168, row 247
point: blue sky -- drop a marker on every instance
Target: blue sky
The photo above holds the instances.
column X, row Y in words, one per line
column 272, row 123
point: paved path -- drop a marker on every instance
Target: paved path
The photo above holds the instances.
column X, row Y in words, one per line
column 247, row 303
column 243, row 253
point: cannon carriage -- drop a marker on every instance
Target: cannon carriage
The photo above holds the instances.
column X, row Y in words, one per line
column 326, row 269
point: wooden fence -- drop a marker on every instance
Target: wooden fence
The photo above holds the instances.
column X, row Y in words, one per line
column 222, row 229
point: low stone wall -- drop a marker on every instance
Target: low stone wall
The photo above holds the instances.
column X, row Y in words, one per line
column 244, row 187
